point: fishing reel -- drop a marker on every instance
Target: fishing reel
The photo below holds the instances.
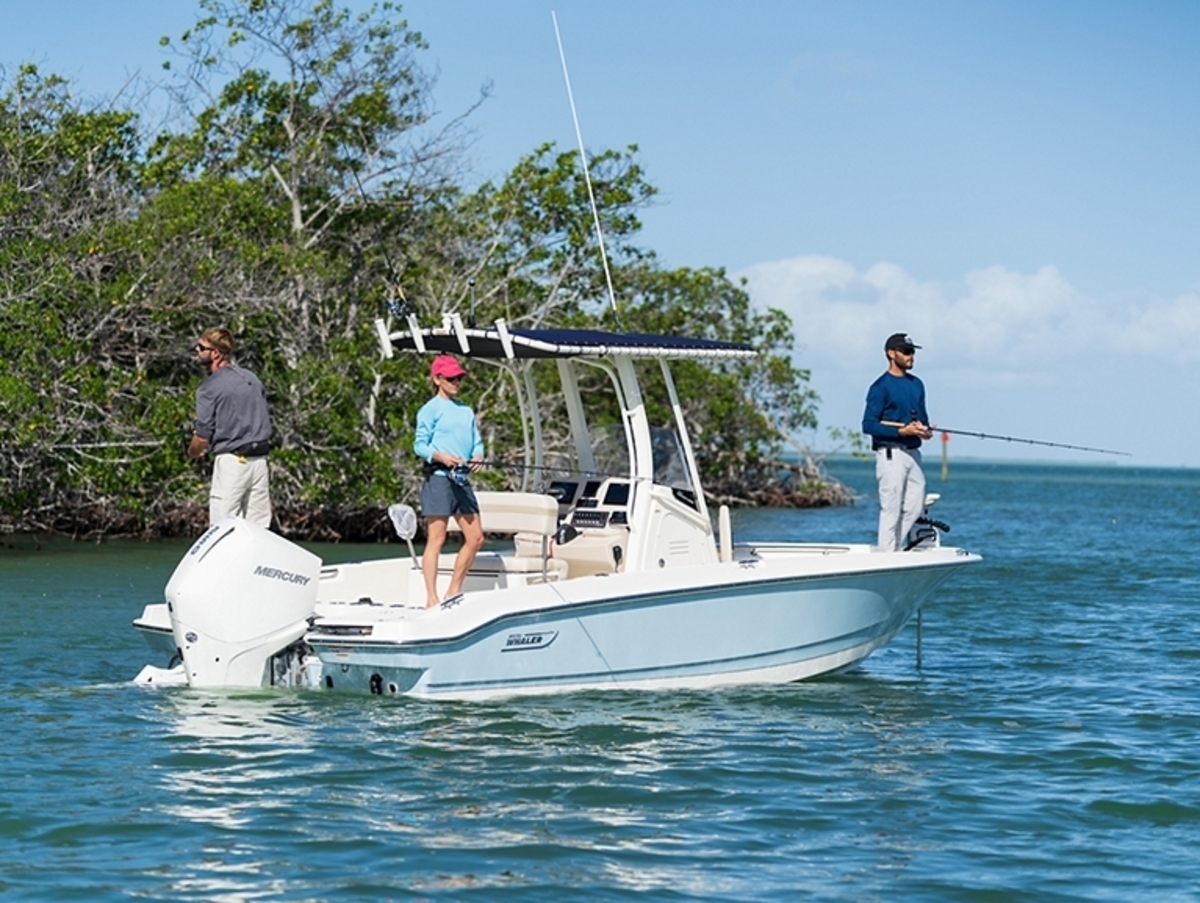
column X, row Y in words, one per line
column 398, row 305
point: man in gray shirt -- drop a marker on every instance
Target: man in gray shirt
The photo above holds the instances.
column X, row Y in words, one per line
column 233, row 422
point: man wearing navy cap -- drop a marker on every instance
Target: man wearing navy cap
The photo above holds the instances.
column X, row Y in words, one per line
column 896, row 421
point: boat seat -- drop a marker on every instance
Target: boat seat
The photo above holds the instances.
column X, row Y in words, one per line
column 518, row 512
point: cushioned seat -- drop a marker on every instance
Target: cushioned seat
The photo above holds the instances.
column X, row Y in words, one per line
column 516, row 512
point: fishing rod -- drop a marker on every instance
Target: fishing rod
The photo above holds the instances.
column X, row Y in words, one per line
column 76, row 446
column 1086, row 448
column 397, row 308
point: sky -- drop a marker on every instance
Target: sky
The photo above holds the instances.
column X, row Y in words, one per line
column 1012, row 184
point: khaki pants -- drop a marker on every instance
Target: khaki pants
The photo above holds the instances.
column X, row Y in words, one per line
column 240, row 486
column 901, row 495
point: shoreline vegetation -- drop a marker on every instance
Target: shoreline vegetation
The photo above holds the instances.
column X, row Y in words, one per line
column 788, row 485
column 303, row 185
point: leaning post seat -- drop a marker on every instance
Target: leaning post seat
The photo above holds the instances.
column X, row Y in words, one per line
column 519, row 512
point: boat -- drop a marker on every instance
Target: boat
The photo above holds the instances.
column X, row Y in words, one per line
column 613, row 574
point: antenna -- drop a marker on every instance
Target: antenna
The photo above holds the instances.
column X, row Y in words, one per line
column 587, row 176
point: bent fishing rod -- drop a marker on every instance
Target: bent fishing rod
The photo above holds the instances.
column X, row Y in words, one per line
column 1086, row 448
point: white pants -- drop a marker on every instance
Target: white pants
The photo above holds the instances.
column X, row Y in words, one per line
column 901, row 495
column 240, row 486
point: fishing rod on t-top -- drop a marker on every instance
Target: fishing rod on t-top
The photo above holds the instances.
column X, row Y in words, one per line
column 398, row 305
column 939, row 429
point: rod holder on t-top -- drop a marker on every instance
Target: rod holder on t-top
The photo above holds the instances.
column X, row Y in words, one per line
column 942, row 429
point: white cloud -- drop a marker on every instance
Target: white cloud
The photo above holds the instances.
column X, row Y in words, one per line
column 1020, row 354
column 1171, row 328
column 1016, row 320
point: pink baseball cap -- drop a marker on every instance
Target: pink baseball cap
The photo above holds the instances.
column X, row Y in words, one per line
column 445, row 366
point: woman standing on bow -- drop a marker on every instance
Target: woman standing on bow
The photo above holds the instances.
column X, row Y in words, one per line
column 449, row 443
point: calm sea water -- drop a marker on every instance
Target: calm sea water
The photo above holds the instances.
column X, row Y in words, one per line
column 1047, row 749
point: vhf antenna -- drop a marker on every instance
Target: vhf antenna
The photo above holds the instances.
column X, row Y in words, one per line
column 471, row 315
column 587, row 176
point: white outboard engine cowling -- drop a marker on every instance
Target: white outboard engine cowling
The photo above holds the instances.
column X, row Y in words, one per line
column 240, row 595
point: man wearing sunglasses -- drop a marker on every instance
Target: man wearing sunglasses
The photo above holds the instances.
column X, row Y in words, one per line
column 896, row 420
column 233, row 422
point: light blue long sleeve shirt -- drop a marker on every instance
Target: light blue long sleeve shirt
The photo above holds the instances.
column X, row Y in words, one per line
column 447, row 425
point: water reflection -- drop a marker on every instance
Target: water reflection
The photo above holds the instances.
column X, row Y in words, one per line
column 232, row 767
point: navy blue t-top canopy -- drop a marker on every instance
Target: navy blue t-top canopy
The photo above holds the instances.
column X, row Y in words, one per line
column 553, row 343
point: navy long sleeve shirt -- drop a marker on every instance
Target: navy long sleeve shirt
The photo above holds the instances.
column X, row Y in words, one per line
column 900, row 399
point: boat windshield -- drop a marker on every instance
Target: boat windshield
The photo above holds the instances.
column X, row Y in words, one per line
column 609, row 449
column 600, row 444
column 670, row 468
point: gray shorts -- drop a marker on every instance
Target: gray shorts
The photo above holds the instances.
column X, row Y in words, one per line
column 442, row 497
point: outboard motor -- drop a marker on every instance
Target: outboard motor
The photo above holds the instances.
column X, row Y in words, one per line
column 240, row 595
column 926, row 532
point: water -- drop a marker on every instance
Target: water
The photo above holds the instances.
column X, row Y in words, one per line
column 1046, row 749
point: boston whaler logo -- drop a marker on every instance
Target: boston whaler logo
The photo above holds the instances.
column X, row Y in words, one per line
column 539, row 639
column 278, row 574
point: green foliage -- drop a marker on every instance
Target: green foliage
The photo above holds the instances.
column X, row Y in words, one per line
column 531, row 239
column 304, row 185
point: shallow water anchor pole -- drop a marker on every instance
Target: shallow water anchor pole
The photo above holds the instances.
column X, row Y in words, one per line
column 920, row 626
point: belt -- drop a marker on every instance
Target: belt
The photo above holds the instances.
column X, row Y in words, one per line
column 258, row 449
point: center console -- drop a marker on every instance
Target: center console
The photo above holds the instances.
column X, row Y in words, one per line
column 598, row 512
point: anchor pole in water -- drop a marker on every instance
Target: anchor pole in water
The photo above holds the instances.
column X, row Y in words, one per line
column 920, row 626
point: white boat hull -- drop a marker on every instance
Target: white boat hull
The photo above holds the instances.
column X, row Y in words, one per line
column 778, row 621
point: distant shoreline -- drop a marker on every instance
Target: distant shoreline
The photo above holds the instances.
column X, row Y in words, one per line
column 933, row 461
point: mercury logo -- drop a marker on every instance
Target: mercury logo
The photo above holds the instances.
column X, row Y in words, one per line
column 517, row 642
column 285, row 576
